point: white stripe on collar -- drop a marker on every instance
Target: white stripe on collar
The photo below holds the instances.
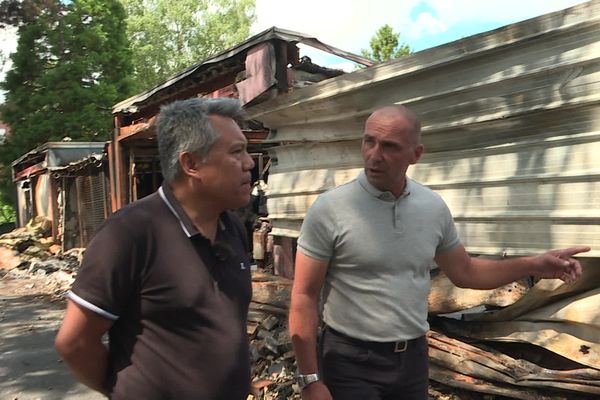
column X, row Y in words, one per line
column 162, row 196
column 185, row 230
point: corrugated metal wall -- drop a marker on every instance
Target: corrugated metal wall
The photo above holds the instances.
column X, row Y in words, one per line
column 511, row 127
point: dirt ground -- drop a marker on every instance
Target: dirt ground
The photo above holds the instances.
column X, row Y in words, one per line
column 30, row 315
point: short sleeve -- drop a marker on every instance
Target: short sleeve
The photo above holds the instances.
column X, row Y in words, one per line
column 450, row 238
column 109, row 273
column 317, row 234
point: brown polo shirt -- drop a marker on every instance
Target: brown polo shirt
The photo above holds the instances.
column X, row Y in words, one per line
column 179, row 304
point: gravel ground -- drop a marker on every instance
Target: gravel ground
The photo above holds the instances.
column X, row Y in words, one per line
column 30, row 368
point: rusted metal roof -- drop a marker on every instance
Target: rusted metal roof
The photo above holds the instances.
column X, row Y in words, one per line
column 131, row 104
column 52, row 156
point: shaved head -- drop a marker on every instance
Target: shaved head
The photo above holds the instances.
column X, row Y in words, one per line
column 393, row 113
column 391, row 143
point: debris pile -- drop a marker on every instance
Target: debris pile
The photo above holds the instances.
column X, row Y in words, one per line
column 518, row 341
column 271, row 354
column 543, row 343
column 30, row 250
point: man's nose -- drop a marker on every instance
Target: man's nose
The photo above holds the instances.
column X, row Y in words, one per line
column 248, row 162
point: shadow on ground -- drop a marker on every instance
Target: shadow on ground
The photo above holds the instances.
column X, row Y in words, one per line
column 30, row 369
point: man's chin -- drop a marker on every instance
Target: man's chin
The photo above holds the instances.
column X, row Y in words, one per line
column 378, row 182
column 242, row 201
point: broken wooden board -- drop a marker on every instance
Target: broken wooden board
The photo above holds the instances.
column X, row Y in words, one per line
column 271, row 290
column 563, row 319
column 576, row 342
column 445, row 297
column 548, row 291
column 459, row 364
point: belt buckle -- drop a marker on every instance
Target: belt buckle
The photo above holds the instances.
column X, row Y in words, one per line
column 400, row 346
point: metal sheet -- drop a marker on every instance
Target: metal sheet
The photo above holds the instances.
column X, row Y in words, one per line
column 511, row 127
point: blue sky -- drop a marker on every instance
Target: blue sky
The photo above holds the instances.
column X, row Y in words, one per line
column 349, row 24
column 422, row 24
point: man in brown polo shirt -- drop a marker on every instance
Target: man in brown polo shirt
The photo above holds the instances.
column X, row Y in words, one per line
column 168, row 276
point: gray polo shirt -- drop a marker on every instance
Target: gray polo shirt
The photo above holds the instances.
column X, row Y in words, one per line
column 380, row 251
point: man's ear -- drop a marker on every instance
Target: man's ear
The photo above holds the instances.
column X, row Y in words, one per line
column 418, row 152
column 190, row 164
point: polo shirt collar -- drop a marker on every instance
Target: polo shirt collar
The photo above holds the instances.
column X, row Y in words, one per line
column 188, row 227
column 385, row 196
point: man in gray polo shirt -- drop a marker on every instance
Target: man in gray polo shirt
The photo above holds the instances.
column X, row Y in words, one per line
column 367, row 248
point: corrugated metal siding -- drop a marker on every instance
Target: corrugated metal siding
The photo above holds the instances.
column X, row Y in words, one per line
column 92, row 204
column 511, row 127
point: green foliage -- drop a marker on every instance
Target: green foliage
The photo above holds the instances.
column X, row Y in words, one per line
column 7, row 213
column 385, row 45
column 71, row 66
column 7, row 187
column 168, row 36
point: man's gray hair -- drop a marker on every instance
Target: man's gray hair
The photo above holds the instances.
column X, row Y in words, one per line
column 184, row 126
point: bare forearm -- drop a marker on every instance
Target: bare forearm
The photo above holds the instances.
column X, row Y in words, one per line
column 304, row 321
column 79, row 342
column 480, row 273
column 88, row 363
column 489, row 274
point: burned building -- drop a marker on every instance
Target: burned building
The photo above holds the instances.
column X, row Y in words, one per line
column 261, row 68
column 67, row 183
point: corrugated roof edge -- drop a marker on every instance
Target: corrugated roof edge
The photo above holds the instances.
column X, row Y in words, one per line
column 266, row 35
column 55, row 145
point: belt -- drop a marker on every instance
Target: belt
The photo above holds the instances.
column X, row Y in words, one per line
column 390, row 347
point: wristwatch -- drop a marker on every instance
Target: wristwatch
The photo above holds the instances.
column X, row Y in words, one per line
column 305, row 380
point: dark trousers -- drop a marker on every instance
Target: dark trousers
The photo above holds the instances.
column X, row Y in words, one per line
column 353, row 369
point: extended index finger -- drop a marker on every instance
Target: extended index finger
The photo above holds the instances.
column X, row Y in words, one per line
column 571, row 251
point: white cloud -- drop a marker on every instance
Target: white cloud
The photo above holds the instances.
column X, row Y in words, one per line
column 346, row 24
column 8, row 37
column 457, row 11
column 426, row 24
column 349, row 24
column 8, row 44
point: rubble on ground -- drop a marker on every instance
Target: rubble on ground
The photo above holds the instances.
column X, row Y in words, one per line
column 519, row 341
column 31, row 251
column 273, row 362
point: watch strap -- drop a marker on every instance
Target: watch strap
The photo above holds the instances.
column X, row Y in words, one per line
column 305, row 380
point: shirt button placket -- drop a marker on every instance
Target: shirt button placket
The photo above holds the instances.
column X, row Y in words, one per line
column 397, row 221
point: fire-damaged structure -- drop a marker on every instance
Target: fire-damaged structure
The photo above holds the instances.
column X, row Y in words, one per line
column 66, row 183
column 258, row 69
column 512, row 136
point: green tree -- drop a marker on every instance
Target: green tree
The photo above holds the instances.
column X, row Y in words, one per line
column 385, row 45
column 168, row 36
column 71, row 66
column 7, row 213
